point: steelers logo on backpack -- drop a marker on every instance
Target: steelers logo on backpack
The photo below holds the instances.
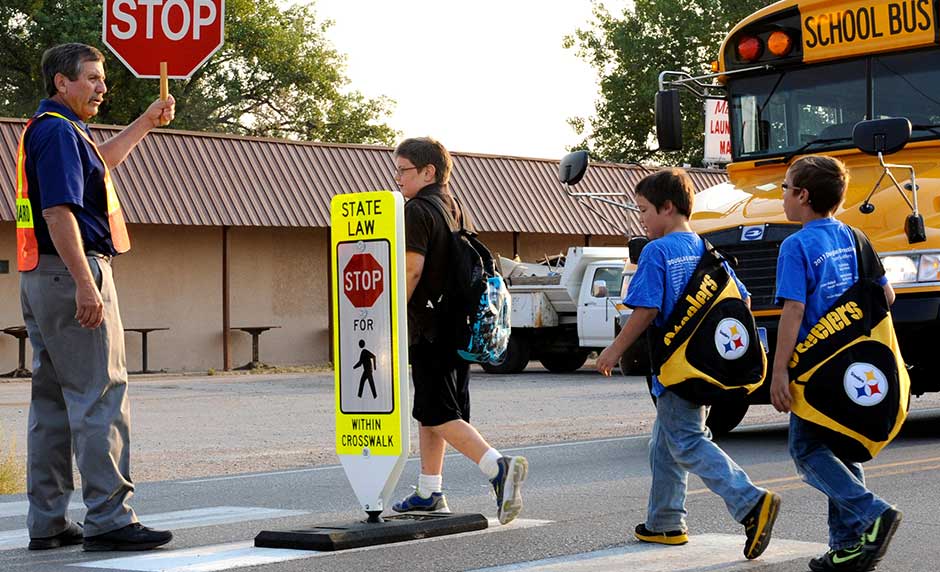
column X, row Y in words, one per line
column 847, row 375
column 709, row 350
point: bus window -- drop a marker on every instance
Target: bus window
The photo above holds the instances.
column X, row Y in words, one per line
column 776, row 113
column 908, row 85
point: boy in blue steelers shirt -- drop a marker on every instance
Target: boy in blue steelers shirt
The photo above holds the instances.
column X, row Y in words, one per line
column 680, row 443
column 815, row 267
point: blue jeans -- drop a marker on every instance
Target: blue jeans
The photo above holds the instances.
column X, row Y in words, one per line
column 681, row 444
column 852, row 507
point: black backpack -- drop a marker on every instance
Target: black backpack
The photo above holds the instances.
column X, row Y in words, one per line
column 709, row 350
column 476, row 305
column 847, row 375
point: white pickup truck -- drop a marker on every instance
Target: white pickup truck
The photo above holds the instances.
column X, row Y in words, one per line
column 563, row 312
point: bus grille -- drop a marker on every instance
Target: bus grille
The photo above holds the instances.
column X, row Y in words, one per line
column 757, row 269
column 756, row 260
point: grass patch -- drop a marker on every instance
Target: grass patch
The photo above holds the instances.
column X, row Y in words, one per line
column 12, row 472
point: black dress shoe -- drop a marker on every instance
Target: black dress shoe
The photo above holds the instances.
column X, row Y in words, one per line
column 69, row 537
column 132, row 537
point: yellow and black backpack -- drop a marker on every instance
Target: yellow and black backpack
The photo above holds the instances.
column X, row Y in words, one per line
column 847, row 375
column 709, row 349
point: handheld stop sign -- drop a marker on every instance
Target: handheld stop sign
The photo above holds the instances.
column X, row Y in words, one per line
column 163, row 38
column 370, row 342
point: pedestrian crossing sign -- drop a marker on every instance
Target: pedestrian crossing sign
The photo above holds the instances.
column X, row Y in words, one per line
column 370, row 341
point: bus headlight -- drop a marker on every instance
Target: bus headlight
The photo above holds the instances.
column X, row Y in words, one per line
column 900, row 269
column 929, row 268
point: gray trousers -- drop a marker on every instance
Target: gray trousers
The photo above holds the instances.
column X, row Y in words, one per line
column 79, row 403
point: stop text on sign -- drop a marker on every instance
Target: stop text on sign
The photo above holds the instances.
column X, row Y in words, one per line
column 357, row 280
column 176, row 18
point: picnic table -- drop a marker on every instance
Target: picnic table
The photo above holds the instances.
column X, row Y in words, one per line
column 20, row 333
column 255, row 332
column 143, row 345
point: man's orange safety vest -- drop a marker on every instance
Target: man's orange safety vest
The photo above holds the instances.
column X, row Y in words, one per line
column 27, row 249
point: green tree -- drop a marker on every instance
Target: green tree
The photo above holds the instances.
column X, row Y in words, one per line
column 275, row 76
column 630, row 51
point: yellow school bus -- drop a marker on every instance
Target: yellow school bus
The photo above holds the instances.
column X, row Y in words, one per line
column 798, row 76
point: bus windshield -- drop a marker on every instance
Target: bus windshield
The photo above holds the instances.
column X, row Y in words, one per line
column 778, row 113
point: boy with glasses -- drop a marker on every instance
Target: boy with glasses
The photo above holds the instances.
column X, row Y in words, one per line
column 815, row 267
column 441, row 378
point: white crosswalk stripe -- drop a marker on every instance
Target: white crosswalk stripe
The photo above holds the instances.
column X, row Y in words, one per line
column 202, row 559
column 703, row 553
column 242, row 554
column 176, row 520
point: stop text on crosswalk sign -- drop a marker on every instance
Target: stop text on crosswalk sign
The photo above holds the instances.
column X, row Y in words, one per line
column 183, row 33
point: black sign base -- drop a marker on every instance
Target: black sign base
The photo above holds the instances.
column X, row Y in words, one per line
column 343, row 536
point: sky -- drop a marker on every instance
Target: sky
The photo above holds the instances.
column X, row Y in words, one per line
column 481, row 76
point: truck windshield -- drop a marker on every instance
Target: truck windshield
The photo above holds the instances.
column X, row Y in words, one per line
column 775, row 114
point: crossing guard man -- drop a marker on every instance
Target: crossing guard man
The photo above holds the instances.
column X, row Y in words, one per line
column 69, row 227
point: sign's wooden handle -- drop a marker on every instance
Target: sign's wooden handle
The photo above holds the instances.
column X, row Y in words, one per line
column 164, row 84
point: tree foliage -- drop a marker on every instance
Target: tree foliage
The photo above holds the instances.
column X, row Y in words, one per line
column 630, row 51
column 275, row 76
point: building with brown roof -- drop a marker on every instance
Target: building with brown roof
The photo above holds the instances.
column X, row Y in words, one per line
column 240, row 226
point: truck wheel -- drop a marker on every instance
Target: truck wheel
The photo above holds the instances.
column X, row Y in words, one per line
column 517, row 357
column 564, row 363
column 725, row 416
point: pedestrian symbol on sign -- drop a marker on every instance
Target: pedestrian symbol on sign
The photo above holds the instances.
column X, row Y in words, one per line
column 367, row 363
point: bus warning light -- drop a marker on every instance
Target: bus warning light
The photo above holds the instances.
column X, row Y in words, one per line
column 749, row 48
column 779, row 43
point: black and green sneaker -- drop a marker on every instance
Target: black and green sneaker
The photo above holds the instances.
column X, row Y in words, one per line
column 876, row 539
column 844, row 560
column 759, row 525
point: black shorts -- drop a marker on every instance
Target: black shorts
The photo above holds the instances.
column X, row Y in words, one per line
column 442, row 385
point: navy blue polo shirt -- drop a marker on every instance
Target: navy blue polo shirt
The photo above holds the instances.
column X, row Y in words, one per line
column 62, row 168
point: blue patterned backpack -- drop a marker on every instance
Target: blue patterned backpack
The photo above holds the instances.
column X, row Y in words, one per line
column 476, row 303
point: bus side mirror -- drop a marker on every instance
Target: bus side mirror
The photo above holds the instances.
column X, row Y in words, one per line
column 635, row 246
column 572, row 167
column 668, row 120
column 883, row 136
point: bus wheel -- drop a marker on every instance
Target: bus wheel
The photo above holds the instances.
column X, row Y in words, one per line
column 635, row 361
column 564, row 362
column 723, row 417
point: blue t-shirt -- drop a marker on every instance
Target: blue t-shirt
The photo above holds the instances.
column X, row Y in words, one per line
column 816, row 265
column 63, row 169
column 665, row 267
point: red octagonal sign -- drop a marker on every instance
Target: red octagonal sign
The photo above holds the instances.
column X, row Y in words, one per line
column 363, row 280
column 183, row 33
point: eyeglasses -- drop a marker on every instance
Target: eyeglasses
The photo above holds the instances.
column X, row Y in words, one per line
column 787, row 187
column 399, row 171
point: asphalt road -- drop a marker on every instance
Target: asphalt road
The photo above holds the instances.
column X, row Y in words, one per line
column 583, row 498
